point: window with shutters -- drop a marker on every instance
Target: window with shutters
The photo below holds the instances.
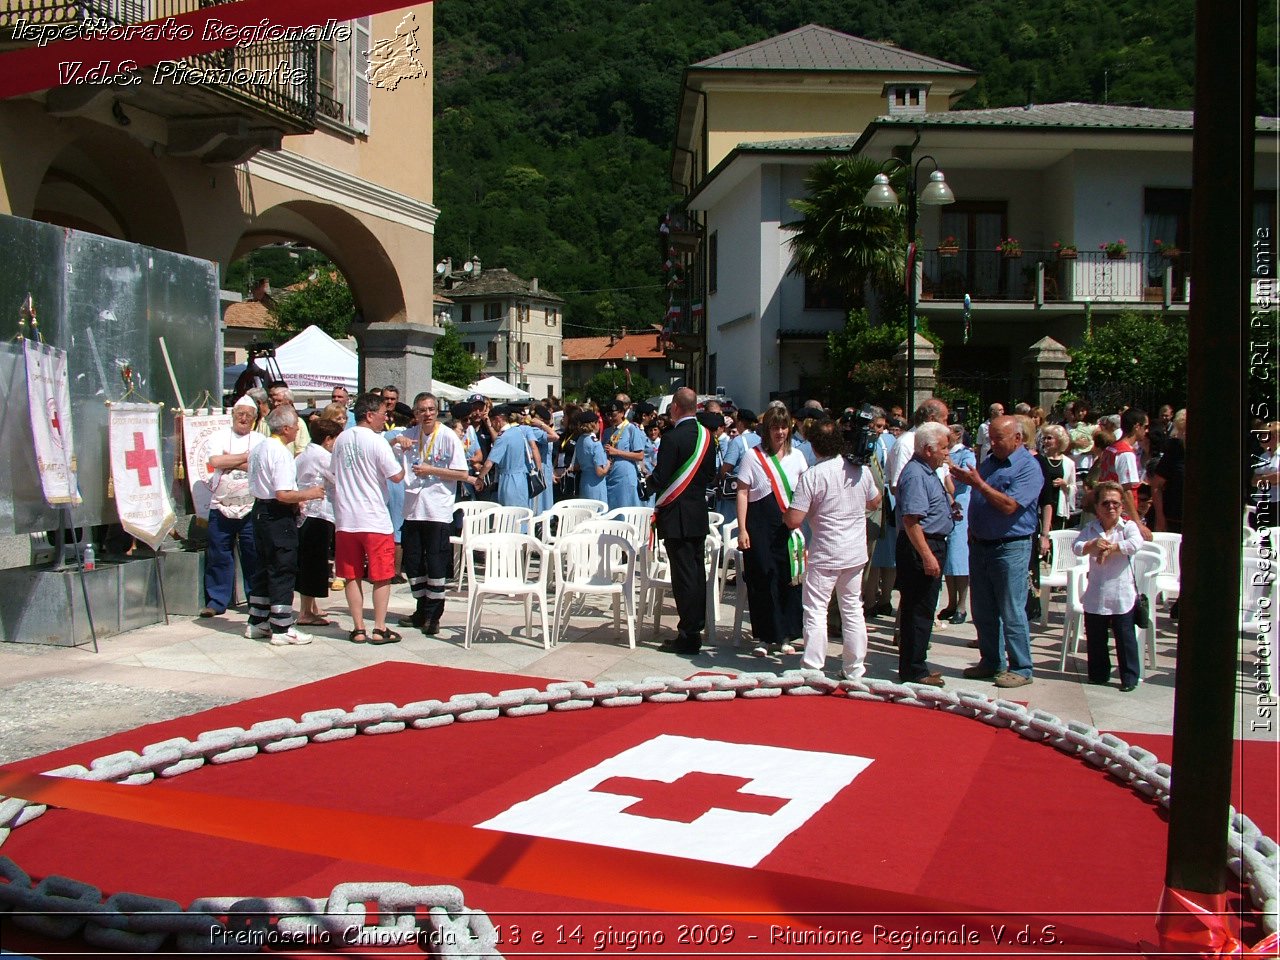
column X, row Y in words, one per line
column 493, row 311
column 469, row 346
column 551, row 355
column 492, row 356
column 523, row 352
column 342, row 83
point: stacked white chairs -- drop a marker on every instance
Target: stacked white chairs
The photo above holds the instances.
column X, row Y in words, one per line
column 552, row 525
column 728, row 555
column 1073, row 616
column 637, row 518
column 585, row 503
column 507, row 562
column 595, row 564
column 474, row 522
column 1147, row 565
column 1061, row 562
column 510, row 519
column 1168, row 582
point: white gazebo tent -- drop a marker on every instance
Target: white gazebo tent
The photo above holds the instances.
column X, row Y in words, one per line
column 447, row 391
column 496, row 389
column 312, row 363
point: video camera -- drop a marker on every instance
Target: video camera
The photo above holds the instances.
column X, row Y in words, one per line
column 855, row 427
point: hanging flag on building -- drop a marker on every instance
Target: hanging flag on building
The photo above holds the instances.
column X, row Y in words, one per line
column 49, row 397
column 142, row 497
column 196, row 433
column 968, row 317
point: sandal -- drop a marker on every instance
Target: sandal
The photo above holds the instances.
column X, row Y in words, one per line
column 316, row 623
column 385, row 635
column 358, row 633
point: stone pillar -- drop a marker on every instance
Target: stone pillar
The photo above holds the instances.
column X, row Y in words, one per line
column 1047, row 370
column 926, row 379
column 398, row 353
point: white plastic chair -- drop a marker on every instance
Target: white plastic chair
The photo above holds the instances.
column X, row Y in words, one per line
column 475, row 521
column 654, row 583
column 740, row 608
column 1169, row 576
column 507, row 559
column 585, row 503
column 510, row 519
column 1147, row 564
column 1061, row 562
column 588, row 564
column 1073, row 615
column 728, row 555
column 637, row 518
column 553, row 525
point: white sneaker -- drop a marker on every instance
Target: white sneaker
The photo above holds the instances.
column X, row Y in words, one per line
column 259, row 631
column 291, row 637
column 787, row 649
column 761, row 651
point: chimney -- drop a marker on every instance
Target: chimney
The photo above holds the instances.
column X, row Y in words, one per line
column 261, row 290
column 533, row 285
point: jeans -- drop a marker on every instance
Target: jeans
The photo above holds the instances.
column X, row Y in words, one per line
column 1128, row 657
column 220, row 562
column 998, row 601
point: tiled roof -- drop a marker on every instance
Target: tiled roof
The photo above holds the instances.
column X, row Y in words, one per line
column 494, row 282
column 812, row 47
column 803, row 144
column 1071, row 115
column 642, row 346
column 247, row 315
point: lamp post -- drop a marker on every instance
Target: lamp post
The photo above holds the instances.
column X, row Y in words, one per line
column 935, row 193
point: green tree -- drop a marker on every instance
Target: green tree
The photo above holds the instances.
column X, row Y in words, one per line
column 841, row 241
column 607, row 384
column 325, row 300
column 860, row 365
column 452, row 363
column 1141, row 352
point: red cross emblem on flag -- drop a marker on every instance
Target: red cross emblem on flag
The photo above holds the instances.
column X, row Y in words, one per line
column 680, row 796
column 142, row 459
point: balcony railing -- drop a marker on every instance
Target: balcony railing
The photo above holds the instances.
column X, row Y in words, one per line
column 279, row 76
column 1044, row 276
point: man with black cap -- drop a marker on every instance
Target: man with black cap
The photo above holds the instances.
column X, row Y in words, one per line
column 686, row 468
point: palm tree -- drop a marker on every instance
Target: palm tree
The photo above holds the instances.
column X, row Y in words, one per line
column 842, row 242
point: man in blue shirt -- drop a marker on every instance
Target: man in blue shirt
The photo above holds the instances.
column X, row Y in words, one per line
column 925, row 520
column 1002, row 520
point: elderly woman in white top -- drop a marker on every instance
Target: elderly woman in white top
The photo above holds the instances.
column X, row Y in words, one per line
column 1111, row 597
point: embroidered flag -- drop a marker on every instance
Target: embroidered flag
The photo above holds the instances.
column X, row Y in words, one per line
column 49, row 397
column 142, row 498
column 196, row 433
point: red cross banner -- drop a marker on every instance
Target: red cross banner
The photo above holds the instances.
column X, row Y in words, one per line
column 142, row 497
column 197, row 431
column 49, row 397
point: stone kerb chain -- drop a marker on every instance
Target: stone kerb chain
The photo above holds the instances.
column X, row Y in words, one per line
column 61, row 907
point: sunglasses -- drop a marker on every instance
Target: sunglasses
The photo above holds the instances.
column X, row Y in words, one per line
column 1113, row 504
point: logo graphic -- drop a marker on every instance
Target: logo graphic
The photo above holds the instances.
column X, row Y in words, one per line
column 396, row 59
column 730, row 803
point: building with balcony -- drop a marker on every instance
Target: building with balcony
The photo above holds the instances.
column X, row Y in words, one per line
column 1081, row 175
column 515, row 325
column 250, row 145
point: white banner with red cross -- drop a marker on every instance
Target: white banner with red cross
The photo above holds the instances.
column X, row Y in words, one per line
column 197, row 431
column 49, row 396
column 142, row 498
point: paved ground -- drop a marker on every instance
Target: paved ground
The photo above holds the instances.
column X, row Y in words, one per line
column 52, row 697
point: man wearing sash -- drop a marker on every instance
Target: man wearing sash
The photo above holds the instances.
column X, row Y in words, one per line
column 686, row 468
column 434, row 465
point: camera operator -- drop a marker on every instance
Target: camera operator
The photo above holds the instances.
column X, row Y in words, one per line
column 834, row 496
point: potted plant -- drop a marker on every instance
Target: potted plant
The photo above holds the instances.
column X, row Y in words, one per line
column 1115, row 249
column 1167, row 250
column 949, row 247
column 1065, row 251
column 1009, row 248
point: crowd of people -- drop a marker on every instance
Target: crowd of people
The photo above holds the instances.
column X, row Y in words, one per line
column 826, row 534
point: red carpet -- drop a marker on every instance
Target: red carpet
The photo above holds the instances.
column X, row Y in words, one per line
column 1005, row 835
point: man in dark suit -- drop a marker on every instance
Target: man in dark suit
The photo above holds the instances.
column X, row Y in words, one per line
column 685, row 469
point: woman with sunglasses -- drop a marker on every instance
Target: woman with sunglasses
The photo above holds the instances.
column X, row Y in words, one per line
column 1111, row 597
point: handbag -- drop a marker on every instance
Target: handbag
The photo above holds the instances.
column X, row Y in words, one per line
column 568, row 484
column 1142, row 612
column 727, row 488
column 643, row 490
column 537, row 482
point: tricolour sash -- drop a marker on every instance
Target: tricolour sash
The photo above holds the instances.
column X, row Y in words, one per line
column 684, row 476
column 783, row 494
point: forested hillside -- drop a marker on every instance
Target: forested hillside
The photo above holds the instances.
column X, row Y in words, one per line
column 554, row 117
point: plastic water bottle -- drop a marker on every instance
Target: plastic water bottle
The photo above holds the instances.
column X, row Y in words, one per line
column 88, row 556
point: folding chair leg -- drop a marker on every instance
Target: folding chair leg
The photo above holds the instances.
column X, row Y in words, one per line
column 629, row 601
column 542, row 612
column 1044, row 607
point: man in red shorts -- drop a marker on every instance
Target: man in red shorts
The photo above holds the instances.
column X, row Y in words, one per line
column 363, row 464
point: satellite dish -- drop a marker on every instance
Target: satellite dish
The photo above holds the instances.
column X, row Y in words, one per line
column 440, row 268
column 468, row 267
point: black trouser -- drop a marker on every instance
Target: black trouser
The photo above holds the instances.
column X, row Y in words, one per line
column 686, row 556
column 428, row 565
column 917, row 601
column 1097, row 643
column 315, row 546
column 275, row 532
column 774, row 600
